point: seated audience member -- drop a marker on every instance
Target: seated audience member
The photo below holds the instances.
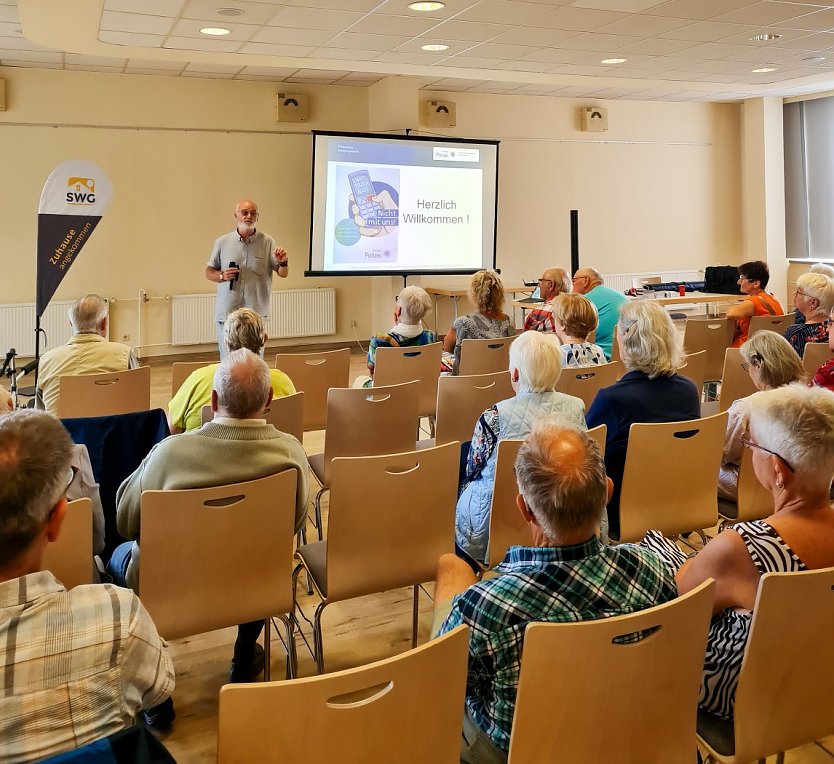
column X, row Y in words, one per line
column 824, row 376
column 650, row 391
column 409, row 308
column 566, row 574
column 77, row 665
column 554, row 282
column 771, row 362
column 237, row 445
column 574, row 318
column 83, row 483
column 244, row 328
column 87, row 352
column 752, row 280
column 588, row 282
column 792, row 437
column 814, row 299
column 488, row 322
column 825, row 270
column 535, row 366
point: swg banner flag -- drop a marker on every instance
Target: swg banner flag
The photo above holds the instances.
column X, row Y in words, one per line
column 73, row 201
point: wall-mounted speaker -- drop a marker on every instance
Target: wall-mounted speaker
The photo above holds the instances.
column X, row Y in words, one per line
column 291, row 108
column 440, row 113
column 594, row 119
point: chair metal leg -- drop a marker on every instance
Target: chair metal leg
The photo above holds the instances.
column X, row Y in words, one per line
column 267, row 649
column 318, row 523
column 318, row 646
column 415, row 616
column 780, row 757
column 292, row 661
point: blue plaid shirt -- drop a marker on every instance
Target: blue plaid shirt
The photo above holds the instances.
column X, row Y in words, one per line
column 547, row 584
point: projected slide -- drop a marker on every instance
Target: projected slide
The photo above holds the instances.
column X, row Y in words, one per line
column 386, row 205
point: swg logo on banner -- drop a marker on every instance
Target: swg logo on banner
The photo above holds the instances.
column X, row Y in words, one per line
column 82, row 191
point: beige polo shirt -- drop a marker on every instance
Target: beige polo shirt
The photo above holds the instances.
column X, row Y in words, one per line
column 83, row 354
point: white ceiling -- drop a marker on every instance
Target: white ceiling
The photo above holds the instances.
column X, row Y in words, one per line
column 675, row 50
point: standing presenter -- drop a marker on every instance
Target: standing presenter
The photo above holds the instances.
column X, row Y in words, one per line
column 241, row 265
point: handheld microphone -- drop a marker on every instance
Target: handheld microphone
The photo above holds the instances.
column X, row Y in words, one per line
column 233, row 264
column 11, row 354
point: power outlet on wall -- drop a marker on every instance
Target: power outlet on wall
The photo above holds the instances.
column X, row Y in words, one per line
column 125, row 338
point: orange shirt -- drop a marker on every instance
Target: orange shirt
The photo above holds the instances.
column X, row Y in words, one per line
column 760, row 301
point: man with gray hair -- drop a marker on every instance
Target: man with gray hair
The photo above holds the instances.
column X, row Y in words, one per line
column 567, row 574
column 236, row 446
column 76, row 665
column 87, row 352
column 588, row 282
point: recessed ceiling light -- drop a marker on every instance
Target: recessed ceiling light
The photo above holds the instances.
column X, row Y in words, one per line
column 766, row 37
column 230, row 11
column 613, row 61
column 764, row 70
column 427, row 5
column 433, row 48
column 215, row 31
column 813, row 60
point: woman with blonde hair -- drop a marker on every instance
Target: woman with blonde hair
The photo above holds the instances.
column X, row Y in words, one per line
column 771, row 362
column 650, row 391
column 814, row 299
column 488, row 322
column 574, row 318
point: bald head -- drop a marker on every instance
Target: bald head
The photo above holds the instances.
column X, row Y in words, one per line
column 246, row 214
column 554, row 281
column 242, row 386
column 561, row 476
column 585, row 279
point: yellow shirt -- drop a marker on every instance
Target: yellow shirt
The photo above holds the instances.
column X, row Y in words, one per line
column 186, row 407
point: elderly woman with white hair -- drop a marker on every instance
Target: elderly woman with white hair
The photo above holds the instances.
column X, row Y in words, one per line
column 650, row 391
column 535, row 366
column 410, row 307
column 814, row 299
column 825, row 270
column 792, row 437
column 771, row 362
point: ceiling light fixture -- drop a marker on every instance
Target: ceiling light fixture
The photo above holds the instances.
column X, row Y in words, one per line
column 813, row 60
column 433, row 48
column 764, row 70
column 230, row 11
column 215, row 31
column 427, row 5
column 613, row 61
column 766, row 37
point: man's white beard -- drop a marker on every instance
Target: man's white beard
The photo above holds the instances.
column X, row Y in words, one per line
column 246, row 228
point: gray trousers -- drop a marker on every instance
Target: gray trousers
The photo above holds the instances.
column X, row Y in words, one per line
column 476, row 747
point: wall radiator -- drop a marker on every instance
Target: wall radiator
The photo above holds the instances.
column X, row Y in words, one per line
column 293, row 313
column 17, row 327
column 623, row 281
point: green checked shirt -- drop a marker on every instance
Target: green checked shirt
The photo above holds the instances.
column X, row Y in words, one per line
column 552, row 585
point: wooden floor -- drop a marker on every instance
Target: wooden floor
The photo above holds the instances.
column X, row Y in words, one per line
column 355, row 632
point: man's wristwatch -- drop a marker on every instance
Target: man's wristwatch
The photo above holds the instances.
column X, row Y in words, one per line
column 222, row 277
column 282, row 265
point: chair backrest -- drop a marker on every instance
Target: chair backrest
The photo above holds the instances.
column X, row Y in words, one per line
column 695, row 368
column 462, row 399
column 70, row 556
column 285, row 413
column 670, row 481
column 735, row 381
column 407, row 709
column 615, row 348
column 420, row 362
column 814, row 356
column 370, row 421
column 391, row 517
column 506, row 525
column 776, row 324
column 588, row 719
column 714, row 335
column 485, row 356
column 586, row 381
column 314, row 374
column 248, row 526
column 784, row 696
column 754, row 501
column 181, row 370
column 116, row 392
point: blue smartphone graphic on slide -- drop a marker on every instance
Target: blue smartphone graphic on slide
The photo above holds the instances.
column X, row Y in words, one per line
column 363, row 193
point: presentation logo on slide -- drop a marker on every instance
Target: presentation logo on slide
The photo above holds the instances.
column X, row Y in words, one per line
column 81, row 191
column 368, row 231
